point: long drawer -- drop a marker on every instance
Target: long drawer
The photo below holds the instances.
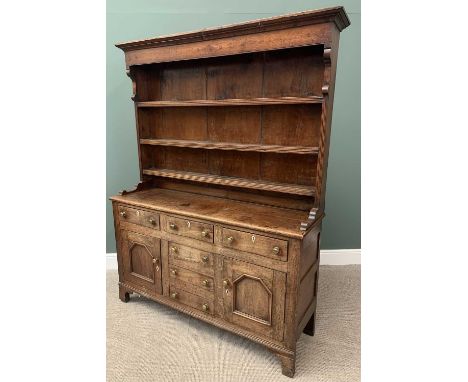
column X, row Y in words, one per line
column 188, row 228
column 253, row 243
column 133, row 215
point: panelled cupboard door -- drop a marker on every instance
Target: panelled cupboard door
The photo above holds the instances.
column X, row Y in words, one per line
column 254, row 297
column 141, row 256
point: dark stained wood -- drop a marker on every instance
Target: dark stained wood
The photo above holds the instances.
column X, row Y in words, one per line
column 233, row 132
column 230, row 146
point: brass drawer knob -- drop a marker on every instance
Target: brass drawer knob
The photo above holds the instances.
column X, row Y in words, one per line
column 123, row 214
column 174, row 249
column 226, row 283
column 173, row 272
column 152, row 221
column 172, row 226
column 155, row 261
column 205, row 259
column 276, row 250
column 206, row 283
column 230, row 239
column 205, row 233
column 174, row 295
column 205, row 307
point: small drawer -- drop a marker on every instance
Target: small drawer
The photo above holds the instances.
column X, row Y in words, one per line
column 137, row 216
column 189, row 228
column 191, row 278
column 190, row 258
column 189, row 299
column 261, row 245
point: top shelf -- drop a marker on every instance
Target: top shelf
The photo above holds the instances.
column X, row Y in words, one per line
column 233, row 102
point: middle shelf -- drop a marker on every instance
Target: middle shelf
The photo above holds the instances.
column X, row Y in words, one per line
column 230, row 146
column 233, row 101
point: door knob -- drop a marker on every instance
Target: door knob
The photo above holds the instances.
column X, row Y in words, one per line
column 173, row 272
column 205, row 283
column 174, row 249
column 226, row 283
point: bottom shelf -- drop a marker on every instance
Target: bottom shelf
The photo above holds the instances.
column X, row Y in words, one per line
column 232, row 181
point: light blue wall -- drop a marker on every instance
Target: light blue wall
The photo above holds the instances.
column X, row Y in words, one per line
column 136, row 19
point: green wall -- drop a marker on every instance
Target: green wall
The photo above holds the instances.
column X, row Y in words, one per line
column 130, row 20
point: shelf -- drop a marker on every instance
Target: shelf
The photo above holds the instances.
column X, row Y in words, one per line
column 231, row 146
column 233, row 102
column 232, row 181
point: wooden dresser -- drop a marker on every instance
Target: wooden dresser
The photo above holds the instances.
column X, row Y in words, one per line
column 233, row 130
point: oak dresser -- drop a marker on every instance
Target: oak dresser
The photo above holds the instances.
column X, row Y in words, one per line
column 233, row 130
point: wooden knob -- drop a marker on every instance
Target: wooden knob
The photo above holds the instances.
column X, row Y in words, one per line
column 152, row 221
column 174, row 295
column 276, row 250
column 172, row 226
column 123, row 214
column 205, row 233
column 173, row 272
column 205, row 259
column 230, row 239
column 205, row 307
column 205, row 283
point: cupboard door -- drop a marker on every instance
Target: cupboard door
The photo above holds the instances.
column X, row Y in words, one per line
column 142, row 261
column 254, row 297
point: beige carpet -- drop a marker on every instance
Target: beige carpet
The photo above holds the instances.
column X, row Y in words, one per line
column 149, row 342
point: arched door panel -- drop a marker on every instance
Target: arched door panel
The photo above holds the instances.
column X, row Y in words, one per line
column 254, row 297
column 142, row 261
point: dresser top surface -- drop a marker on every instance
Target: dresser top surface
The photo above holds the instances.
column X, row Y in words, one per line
column 269, row 219
column 337, row 15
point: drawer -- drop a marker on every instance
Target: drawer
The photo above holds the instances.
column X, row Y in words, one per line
column 190, row 278
column 261, row 245
column 203, row 304
column 137, row 216
column 190, row 258
column 189, row 228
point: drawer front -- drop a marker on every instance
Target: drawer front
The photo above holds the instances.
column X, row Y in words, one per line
column 189, row 228
column 261, row 245
column 203, row 304
column 141, row 217
column 191, row 278
column 190, row 258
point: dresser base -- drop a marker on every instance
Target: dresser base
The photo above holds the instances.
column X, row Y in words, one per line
column 286, row 356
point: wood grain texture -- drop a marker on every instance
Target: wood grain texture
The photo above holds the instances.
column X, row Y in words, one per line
column 261, row 219
column 233, row 102
column 233, row 131
column 231, row 146
column 231, row 181
column 336, row 15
